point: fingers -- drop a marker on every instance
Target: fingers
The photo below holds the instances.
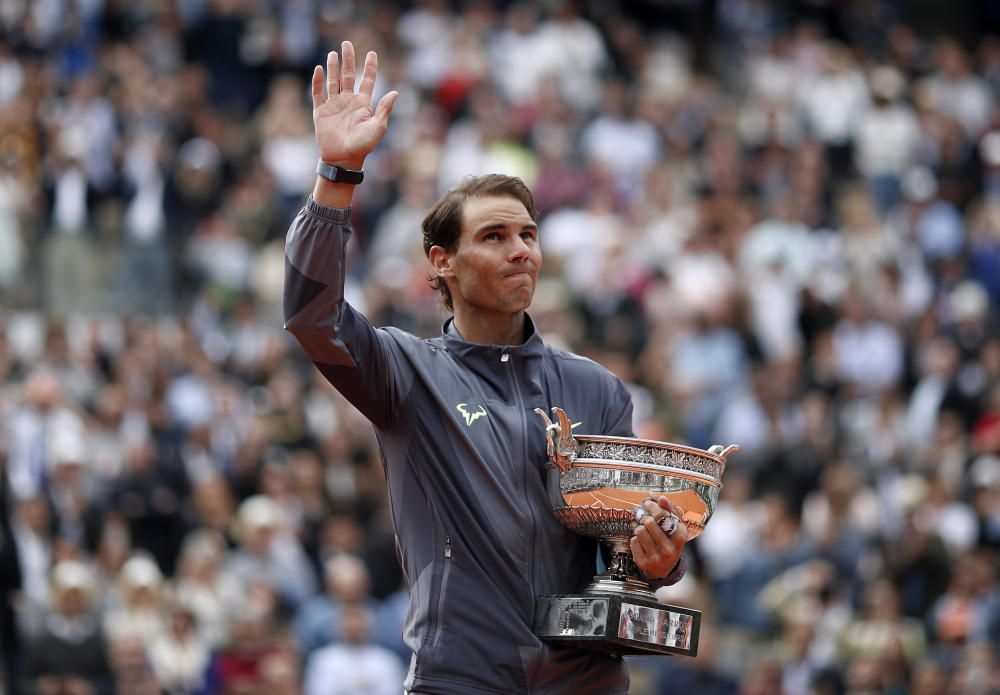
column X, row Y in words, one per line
column 653, row 509
column 639, row 554
column 680, row 534
column 332, row 73
column 653, row 550
column 384, row 107
column 649, row 536
column 347, row 73
column 340, row 73
column 665, row 503
column 368, row 77
column 317, row 86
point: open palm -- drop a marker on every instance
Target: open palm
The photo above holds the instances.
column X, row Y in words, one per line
column 347, row 129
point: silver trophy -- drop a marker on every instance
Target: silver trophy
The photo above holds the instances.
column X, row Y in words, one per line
column 603, row 483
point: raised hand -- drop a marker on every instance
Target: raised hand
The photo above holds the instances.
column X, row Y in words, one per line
column 347, row 130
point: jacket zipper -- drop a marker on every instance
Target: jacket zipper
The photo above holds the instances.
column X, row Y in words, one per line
column 442, row 589
column 505, row 358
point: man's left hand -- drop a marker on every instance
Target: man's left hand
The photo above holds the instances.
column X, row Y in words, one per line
column 654, row 551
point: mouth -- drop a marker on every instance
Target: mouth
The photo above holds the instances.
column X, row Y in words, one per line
column 520, row 274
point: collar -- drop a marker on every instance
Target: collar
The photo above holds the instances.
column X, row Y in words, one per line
column 532, row 345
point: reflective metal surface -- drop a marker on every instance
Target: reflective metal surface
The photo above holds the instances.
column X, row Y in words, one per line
column 655, row 626
column 603, row 483
column 600, row 497
column 619, row 624
column 605, row 478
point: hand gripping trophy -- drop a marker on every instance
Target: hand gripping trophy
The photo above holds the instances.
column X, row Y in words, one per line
column 603, row 483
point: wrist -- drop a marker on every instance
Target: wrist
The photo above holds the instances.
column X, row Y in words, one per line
column 672, row 577
column 333, row 195
column 336, row 180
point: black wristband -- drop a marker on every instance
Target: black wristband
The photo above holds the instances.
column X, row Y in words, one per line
column 337, row 174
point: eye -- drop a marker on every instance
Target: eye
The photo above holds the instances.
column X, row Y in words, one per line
column 529, row 235
column 492, row 236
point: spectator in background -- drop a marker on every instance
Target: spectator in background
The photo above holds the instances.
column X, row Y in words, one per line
column 868, row 352
column 180, row 655
column 69, row 654
column 925, row 219
column 72, row 265
column 270, row 553
column 31, row 530
column 621, row 140
column 33, row 429
column 210, row 594
column 955, row 91
column 148, row 496
column 833, row 102
column 14, row 204
column 255, row 641
column 346, row 581
column 887, row 137
column 882, row 631
column 286, row 142
column 355, row 666
column 145, row 271
column 136, row 612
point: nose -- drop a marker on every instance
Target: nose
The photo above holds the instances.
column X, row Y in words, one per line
column 519, row 250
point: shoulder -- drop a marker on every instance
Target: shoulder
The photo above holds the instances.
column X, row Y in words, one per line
column 410, row 343
column 574, row 365
column 316, row 606
column 597, row 396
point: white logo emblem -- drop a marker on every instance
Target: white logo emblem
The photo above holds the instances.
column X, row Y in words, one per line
column 470, row 417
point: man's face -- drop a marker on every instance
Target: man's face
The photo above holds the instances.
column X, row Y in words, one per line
column 496, row 262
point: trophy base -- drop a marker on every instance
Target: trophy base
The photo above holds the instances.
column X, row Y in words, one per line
column 618, row 623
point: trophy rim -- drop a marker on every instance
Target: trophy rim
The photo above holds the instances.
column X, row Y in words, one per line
column 684, row 448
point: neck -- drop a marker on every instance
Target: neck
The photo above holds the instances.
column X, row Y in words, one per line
column 490, row 329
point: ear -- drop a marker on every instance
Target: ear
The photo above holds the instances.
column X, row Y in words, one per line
column 442, row 261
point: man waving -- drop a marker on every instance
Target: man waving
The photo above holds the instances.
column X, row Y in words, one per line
column 464, row 455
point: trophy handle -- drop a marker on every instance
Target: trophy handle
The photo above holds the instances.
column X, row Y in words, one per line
column 562, row 449
column 723, row 453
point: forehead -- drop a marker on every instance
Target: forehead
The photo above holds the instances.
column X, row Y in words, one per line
column 488, row 210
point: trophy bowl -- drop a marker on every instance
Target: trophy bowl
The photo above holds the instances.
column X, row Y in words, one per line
column 603, row 482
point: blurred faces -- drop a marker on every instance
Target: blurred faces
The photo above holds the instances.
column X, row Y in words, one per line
column 354, row 624
column 34, row 513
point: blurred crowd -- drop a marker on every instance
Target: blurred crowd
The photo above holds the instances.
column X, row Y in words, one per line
column 779, row 223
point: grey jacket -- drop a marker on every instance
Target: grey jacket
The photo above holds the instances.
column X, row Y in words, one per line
column 468, row 477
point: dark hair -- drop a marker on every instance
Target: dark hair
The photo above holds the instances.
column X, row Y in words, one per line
column 443, row 224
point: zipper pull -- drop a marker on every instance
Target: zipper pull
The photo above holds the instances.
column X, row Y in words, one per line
column 447, row 546
column 505, row 356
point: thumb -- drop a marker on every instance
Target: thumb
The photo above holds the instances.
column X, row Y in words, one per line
column 384, row 107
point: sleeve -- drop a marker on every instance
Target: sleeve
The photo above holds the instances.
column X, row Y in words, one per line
column 619, row 411
column 355, row 357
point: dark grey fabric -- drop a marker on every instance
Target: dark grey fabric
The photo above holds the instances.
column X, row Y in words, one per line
column 467, row 475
